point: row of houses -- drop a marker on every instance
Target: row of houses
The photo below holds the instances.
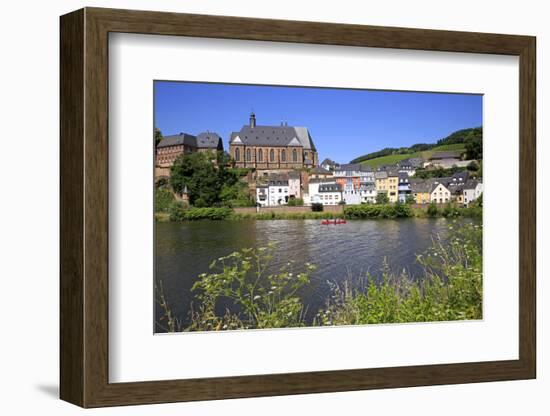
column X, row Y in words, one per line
column 354, row 184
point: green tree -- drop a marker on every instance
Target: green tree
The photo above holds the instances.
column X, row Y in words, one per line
column 382, row 198
column 163, row 199
column 196, row 173
column 410, row 199
column 157, row 134
column 472, row 166
column 474, row 148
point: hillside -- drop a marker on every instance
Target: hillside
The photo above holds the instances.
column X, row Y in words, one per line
column 456, row 141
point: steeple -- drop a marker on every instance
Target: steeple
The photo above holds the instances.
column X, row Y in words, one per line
column 252, row 120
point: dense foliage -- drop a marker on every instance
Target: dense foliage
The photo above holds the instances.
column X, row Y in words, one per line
column 209, row 183
column 368, row 211
column 157, row 134
column 207, row 213
column 163, row 199
column 451, row 289
column 265, row 300
column 295, row 202
column 382, row 198
column 317, row 207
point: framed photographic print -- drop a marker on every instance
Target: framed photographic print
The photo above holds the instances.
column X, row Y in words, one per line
column 257, row 207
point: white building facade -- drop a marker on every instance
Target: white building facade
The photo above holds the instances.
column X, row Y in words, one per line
column 326, row 193
column 472, row 191
column 440, row 194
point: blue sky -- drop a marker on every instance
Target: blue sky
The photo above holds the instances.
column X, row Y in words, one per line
column 344, row 123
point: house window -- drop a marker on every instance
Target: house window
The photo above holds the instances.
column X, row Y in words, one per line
column 237, row 154
column 271, row 156
column 295, row 155
column 260, row 155
column 283, row 155
column 248, row 155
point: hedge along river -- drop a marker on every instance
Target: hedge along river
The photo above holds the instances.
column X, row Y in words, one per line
column 185, row 249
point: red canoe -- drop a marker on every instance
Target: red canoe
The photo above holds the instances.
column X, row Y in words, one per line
column 333, row 222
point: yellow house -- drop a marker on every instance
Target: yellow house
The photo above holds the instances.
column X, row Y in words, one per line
column 393, row 182
column 421, row 191
column 381, row 182
column 386, row 182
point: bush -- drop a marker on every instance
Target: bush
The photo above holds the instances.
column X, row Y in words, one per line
column 450, row 211
column 221, row 213
column 257, row 299
column 382, row 198
column 163, row 199
column 295, row 202
column 366, row 211
column 397, row 298
column 432, row 210
column 410, row 199
column 317, row 207
column 177, row 210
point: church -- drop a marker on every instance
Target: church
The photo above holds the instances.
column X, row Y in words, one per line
column 272, row 147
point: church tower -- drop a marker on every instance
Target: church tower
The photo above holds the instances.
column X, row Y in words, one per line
column 252, row 120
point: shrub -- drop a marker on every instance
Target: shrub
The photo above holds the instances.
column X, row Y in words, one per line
column 432, row 210
column 450, row 211
column 259, row 299
column 456, row 296
column 163, row 199
column 317, row 207
column 382, row 198
column 410, row 199
column 295, row 202
column 177, row 210
column 367, row 211
column 221, row 213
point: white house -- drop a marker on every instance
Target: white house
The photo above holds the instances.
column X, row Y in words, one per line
column 365, row 195
column 278, row 191
column 439, row 193
column 326, row 193
column 472, row 191
column 262, row 196
column 294, row 185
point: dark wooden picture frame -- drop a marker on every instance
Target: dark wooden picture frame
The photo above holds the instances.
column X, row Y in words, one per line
column 84, row 207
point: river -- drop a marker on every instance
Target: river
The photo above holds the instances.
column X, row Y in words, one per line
column 184, row 250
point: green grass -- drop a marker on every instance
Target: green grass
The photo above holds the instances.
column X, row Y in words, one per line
column 388, row 160
column 450, row 147
column 393, row 159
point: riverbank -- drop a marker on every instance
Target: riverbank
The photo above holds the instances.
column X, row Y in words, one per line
column 351, row 212
column 229, row 293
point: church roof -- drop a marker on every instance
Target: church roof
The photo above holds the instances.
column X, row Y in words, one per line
column 273, row 136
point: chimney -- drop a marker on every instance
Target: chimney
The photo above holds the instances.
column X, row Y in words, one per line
column 252, row 120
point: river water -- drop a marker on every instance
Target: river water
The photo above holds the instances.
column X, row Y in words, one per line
column 184, row 250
